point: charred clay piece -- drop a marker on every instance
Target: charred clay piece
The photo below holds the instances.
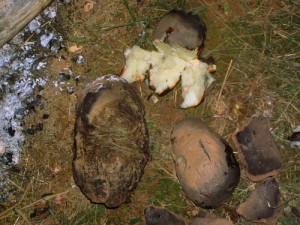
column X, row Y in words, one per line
column 111, row 141
column 205, row 163
column 258, row 150
column 210, row 220
column 295, row 137
column 182, row 28
column 161, row 216
column 262, row 205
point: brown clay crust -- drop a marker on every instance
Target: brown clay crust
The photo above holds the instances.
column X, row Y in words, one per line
column 111, row 141
column 182, row 28
column 258, row 150
column 262, row 205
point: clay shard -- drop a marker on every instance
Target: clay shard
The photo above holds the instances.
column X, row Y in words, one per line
column 295, row 137
column 111, row 141
column 262, row 205
column 205, row 163
column 161, row 216
column 258, row 150
column 181, row 28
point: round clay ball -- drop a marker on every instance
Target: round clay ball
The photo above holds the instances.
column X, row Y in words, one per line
column 205, row 163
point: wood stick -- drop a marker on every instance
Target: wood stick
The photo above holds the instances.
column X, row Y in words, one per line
column 15, row 15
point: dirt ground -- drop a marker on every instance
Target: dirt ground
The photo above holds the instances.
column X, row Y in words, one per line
column 256, row 49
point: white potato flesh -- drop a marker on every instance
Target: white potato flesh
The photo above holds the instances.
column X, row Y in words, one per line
column 175, row 50
column 137, row 64
column 166, row 66
column 165, row 75
column 194, row 80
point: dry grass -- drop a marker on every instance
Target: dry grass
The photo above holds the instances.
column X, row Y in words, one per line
column 257, row 48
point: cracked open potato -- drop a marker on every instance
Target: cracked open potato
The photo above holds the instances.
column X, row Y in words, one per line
column 205, row 163
column 111, row 141
column 166, row 67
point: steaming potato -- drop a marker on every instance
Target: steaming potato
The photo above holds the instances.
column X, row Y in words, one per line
column 166, row 67
column 111, row 141
column 205, row 164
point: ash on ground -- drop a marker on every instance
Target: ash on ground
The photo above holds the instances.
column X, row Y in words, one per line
column 22, row 77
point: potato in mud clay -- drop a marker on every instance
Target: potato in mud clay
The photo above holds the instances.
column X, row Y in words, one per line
column 205, row 163
column 111, row 141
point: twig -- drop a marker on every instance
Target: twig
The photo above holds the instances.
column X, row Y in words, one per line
column 129, row 23
column 288, row 105
column 223, row 84
column 23, row 216
column 130, row 11
column 45, row 198
column 118, row 26
column 29, row 38
column 3, row 214
column 227, row 27
column 13, row 183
